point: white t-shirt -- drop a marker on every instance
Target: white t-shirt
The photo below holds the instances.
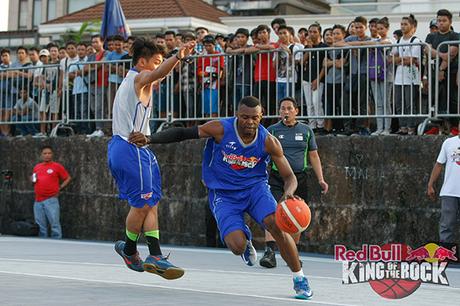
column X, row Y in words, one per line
column 66, row 62
column 407, row 75
column 450, row 156
column 284, row 64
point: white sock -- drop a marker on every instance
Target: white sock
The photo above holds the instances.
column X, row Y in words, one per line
column 298, row 274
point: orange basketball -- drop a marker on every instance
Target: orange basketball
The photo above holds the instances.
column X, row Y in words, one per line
column 293, row 216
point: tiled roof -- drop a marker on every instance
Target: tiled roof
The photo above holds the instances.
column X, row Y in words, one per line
column 145, row 9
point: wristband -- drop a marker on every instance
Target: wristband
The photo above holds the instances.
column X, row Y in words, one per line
column 180, row 59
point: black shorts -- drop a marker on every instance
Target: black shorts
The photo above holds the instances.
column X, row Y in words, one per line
column 277, row 185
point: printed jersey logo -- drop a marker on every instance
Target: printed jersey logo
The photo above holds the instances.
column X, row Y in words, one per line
column 146, row 196
column 231, row 145
column 281, row 136
column 456, row 156
column 239, row 162
column 49, row 171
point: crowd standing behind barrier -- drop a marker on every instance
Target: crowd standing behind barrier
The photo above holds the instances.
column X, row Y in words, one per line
column 345, row 82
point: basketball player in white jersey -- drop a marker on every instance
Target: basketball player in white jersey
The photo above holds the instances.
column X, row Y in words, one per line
column 136, row 170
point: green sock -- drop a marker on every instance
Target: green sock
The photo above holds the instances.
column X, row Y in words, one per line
column 153, row 242
column 131, row 243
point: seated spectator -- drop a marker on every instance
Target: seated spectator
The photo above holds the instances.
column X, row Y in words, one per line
column 25, row 110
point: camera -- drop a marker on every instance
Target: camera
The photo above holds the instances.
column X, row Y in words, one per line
column 7, row 175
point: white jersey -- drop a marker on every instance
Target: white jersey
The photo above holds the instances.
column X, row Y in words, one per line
column 450, row 156
column 129, row 114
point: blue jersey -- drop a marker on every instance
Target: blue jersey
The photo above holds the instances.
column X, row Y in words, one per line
column 233, row 165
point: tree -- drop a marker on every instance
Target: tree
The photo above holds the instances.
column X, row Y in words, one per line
column 87, row 29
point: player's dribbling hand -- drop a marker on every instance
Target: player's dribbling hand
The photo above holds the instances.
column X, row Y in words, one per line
column 138, row 139
column 289, row 196
column 186, row 49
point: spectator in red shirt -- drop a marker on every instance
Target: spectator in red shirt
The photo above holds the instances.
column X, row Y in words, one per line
column 265, row 70
column 210, row 70
column 47, row 177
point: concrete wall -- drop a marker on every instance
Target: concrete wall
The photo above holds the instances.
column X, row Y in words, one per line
column 377, row 191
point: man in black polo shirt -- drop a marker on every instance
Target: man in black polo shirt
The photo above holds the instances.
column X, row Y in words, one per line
column 448, row 67
column 299, row 146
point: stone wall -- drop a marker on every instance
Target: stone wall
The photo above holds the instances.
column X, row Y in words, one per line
column 377, row 191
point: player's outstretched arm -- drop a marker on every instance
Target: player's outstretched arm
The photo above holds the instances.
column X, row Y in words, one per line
column 146, row 77
column 273, row 147
column 210, row 129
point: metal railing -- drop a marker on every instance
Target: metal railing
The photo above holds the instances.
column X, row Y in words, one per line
column 30, row 96
column 355, row 83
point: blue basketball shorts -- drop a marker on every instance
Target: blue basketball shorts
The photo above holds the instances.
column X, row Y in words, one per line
column 229, row 206
column 136, row 173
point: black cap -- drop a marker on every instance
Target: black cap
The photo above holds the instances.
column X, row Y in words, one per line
column 219, row 35
column 433, row 23
column 209, row 39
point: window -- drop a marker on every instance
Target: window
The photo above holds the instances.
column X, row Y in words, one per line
column 76, row 5
column 37, row 13
column 23, row 14
column 51, row 9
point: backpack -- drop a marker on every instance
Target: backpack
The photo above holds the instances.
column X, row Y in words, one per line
column 376, row 65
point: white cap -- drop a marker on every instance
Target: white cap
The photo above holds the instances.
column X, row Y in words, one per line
column 44, row 52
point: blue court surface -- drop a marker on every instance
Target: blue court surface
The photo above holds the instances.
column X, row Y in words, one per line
column 68, row 272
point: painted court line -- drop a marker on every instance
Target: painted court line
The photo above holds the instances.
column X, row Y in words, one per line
column 3, row 259
column 174, row 288
column 164, row 246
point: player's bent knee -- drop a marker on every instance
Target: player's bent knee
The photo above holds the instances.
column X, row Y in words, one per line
column 270, row 224
column 237, row 246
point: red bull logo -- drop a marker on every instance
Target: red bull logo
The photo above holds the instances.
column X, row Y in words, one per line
column 240, row 162
column 431, row 252
column 395, row 271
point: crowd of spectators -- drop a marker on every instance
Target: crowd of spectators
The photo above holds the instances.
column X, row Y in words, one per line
column 339, row 72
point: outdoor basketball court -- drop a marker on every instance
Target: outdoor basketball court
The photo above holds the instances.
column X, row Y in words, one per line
column 47, row 272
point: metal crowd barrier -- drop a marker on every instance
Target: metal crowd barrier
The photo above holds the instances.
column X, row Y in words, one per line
column 358, row 79
column 208, row 86
column 30, row 96
column 358, row 83
column 91, row 89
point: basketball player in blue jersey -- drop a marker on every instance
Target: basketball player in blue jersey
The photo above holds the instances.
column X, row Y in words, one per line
column 135, row 169
column 234, row 170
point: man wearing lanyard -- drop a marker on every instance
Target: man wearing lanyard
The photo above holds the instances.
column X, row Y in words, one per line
column 299, row 146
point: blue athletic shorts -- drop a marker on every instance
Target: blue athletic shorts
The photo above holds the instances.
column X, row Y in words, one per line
column 136, row 173
column 229, row 206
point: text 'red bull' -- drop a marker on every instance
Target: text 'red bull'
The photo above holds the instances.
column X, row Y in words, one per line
column 369, row 253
